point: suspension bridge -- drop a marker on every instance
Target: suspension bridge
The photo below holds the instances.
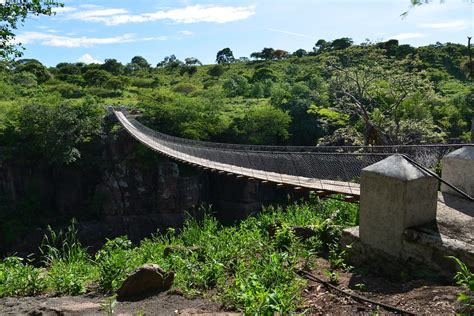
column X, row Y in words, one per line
column 325, row 170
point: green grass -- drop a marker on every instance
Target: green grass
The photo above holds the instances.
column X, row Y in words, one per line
column 242, row 265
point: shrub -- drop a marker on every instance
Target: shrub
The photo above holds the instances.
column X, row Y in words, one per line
column 114, row 263
column 18, row 278
column 185, row 88
column 69, row 91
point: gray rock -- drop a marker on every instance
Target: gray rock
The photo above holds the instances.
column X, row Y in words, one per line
column 146, row 280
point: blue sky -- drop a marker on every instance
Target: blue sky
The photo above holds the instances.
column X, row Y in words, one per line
column 95, row 30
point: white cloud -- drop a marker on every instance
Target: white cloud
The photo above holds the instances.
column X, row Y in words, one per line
column 88, row 59
column 407, row 36
column 64, row 9
column 289, row 33
column 48, row 39
column 189, row 14
column 186, row 33
column 458, row 25
column 97, row 15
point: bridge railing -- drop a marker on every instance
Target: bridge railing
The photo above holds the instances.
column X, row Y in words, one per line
column 321, row 167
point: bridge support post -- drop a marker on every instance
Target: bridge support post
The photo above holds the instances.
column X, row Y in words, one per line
column 394, row 195
column 458, row 169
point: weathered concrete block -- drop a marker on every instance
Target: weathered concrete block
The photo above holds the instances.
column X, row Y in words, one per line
column 395, row 195
column 458, row 169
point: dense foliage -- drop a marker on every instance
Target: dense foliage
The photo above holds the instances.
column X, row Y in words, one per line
column 252, row 270
column 339, row 93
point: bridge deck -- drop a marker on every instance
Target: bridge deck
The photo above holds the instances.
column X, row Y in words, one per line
column 296, row 181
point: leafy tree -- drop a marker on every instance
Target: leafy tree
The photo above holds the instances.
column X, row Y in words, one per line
column 386, row 95
column 225, row 56
column 321, row 46
column 141, row 62
column 189, row 70
column 281, row 54
column 113, row 66
column 170, row 62
column 263, row 74
column 56, row 133
column 297, row 100
column 26, row 79
column 300, row 53
column 96, row 77
column 267, row 53
column 236, row 85
column 115, row 83
column 262, row 124
column 14, row 12
column 341, row 43
column 192, row 61
column 34, row 67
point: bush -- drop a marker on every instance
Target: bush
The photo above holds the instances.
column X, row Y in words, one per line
column 20, row 279
column 69, row 91
column 185, row 88
column 102, row 92
column 216, row 71
column 114, row 263
column 143, row 82
column 70, row 278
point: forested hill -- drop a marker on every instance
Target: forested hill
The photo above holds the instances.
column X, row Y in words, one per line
column 336, row 94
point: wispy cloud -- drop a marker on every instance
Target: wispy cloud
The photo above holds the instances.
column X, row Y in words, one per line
column 289, row 33
column 64, row 9
column 189, row 14
column 88, row 59
column 407, row 36
column 186, row 32
column 97, row 15
column 47, row 39
column 458, row 25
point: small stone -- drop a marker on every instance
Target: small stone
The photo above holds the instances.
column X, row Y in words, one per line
column 148, row 279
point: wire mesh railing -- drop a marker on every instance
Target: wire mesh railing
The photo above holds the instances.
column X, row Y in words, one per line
column 335, row 169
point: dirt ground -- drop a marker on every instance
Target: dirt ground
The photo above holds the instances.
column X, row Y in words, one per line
column 415, row 296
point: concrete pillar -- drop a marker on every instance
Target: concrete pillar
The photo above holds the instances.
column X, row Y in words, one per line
column 457, row 168
column 394, row 195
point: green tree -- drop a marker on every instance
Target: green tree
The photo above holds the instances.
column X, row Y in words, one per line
column 96, row 77
column 225, row 56
column 263, row 124
column 114, row 67
column 34, row 67
column 388, row 96
column 55, row 134
column 170, row 62
column 263, row 74
column 14, row 12
column 300, row 53
column 192, row 61
column 189, row 70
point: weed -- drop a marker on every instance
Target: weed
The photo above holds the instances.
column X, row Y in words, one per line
column 333, row 276
column 464, row 278
column 62, row 246
column 337, row 257
column 114, row 262
column 109, row 305
column 18, row 278
column 361, row 287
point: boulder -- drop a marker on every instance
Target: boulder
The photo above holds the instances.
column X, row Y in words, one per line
column 146, row 280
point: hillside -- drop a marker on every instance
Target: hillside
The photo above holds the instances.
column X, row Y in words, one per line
column 339, row 94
